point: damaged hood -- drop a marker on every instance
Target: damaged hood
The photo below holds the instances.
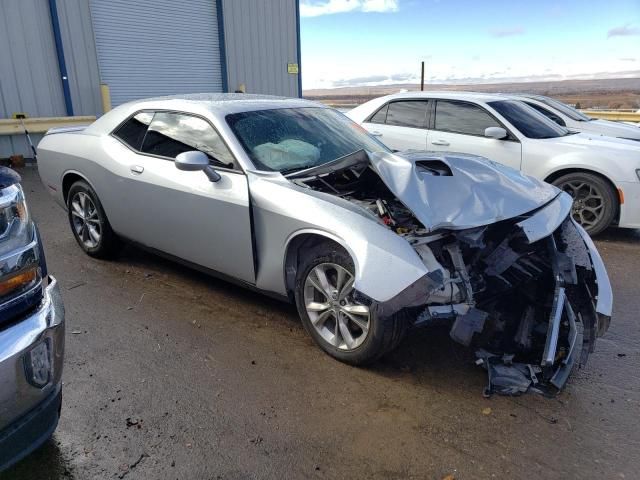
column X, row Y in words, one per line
column 459, row 191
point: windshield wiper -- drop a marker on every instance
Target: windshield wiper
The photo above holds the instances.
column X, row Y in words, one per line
column 296, row 169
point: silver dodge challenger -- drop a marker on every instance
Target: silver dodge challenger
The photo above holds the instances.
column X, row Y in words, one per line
column 291, row 198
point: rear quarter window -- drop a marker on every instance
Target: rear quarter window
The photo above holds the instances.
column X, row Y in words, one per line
column 132, row 131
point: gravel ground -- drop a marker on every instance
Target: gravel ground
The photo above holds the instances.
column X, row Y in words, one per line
column 172, row 374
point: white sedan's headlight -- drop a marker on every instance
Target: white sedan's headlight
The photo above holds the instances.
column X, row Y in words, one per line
column 638, row 173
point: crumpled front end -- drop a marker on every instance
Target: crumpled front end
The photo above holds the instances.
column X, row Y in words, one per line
column 530, row 295
column 506, row 266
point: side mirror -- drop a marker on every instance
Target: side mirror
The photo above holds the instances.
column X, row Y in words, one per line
column 194, row 161
column 495, row 132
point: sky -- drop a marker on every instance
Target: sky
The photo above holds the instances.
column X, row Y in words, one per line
column 377, row 42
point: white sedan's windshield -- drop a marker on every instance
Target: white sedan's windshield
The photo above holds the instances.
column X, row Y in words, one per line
column 291, row 139
column 530, row 122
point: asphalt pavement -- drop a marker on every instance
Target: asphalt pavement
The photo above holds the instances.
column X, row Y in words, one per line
column 173, row 374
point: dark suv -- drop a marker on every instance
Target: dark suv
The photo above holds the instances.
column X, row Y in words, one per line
column 31, row 331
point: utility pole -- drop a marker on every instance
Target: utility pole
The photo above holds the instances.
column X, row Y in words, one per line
column 422, row 78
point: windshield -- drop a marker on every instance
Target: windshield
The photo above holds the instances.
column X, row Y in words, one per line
column 530, row 122
column 290, row 139
column 570, row 112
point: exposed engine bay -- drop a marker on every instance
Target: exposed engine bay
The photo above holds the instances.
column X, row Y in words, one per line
column 527, row 308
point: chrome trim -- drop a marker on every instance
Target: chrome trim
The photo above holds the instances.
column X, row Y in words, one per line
column 17, row 396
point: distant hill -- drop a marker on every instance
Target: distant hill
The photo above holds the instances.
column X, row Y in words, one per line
column 611, row 93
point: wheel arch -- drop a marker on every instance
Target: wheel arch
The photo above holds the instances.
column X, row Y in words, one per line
column 564, row 171
column 69, row 178
column 306, row 239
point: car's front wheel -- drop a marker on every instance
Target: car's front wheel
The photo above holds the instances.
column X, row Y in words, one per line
column 89, row 223
column 595, row 202
column 346, row 328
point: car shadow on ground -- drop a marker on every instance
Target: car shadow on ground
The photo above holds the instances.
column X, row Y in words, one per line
column 428, row 354
column 46, row 463
column 619, row 235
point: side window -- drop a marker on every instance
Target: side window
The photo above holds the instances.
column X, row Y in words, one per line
column 380, row 116
column 132, row 131
column 407, row 114
column 459, row 117
column 550, row 115
column 171, row 134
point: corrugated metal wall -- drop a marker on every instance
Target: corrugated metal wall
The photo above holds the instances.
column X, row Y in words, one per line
column 261, row 38
column 148, row 48
column 29, row 74
column 76, row 30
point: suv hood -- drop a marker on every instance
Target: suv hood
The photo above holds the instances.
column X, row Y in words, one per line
column 459, row 191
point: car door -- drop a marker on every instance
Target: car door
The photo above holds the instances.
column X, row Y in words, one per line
column 400, row 124
column 183, row 213
column 458, row 126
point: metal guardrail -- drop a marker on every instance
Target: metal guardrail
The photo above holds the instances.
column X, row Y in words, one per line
column 616, row 115
column 12, row 126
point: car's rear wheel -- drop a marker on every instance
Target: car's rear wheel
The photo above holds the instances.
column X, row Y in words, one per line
column 594, row 201
column 89, row 223
column 345, row 327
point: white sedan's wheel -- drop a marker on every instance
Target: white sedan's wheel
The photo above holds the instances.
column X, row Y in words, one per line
column 594, row 200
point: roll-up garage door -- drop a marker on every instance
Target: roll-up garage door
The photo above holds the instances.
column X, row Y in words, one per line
column 148, row 48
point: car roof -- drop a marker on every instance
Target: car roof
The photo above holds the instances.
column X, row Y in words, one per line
column 227, row 102
column 218, row 104
column 449, row 95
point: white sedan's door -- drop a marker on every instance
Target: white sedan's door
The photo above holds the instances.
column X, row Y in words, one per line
column 400, row 125
column 459, row 127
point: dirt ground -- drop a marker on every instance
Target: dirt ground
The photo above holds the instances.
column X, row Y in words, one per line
column 172, row 374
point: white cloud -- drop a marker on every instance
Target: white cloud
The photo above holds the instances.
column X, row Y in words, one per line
column 623, row 31
column 315, row 8
column 506, row 32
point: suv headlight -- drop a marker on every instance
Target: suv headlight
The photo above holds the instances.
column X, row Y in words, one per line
column 19, row 265
column 16, row 229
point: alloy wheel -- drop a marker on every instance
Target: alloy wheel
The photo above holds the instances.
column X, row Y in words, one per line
column 86, row 221
column 588, row 206
column 328, row 298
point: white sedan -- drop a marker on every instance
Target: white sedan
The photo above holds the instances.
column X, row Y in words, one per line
column 573, row 119
column 602, row 174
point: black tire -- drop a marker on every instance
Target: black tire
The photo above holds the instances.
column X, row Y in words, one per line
column 384, row 334
column 108, row 243
column 582, row 211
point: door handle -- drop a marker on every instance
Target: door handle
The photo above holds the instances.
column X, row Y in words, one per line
column 136, row 169
column 375, row 133
column 444, row 143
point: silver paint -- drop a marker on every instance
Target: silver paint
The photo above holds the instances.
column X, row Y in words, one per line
column 218, row 225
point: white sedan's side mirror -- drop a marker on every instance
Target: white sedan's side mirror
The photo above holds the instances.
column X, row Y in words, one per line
column 495, row 132
column 194, row 161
